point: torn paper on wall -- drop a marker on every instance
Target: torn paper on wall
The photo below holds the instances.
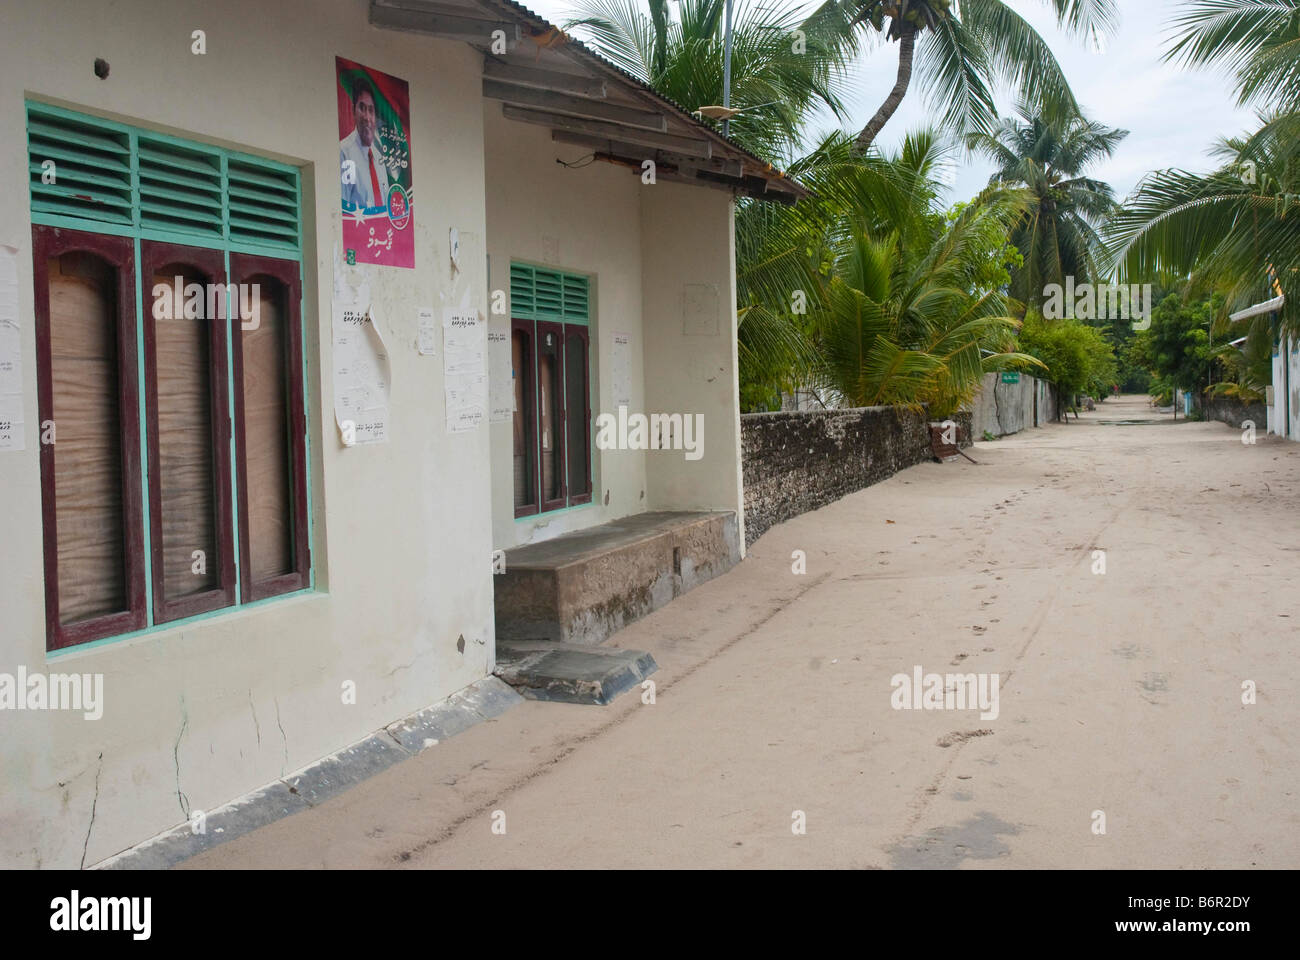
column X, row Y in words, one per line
column 501, row 377
column 362, row 384
column 464, row 376
column 11, row 354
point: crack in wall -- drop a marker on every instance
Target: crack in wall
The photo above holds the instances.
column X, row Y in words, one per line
column 94, row 804
column 256, row 726
column 183, row 800
column 284, row 765
column 408, row 666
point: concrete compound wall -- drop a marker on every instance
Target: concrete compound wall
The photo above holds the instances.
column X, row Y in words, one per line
column 1004, row 408
column 795, row 462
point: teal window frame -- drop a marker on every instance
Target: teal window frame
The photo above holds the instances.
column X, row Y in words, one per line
column 564, row 298
column 126, row 217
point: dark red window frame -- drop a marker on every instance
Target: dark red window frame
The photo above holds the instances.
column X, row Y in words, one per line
column 559, row 418
column 533, row 331
column 533, row 484
column 210, row 263
column 243, row 267
column 580, row 330
column 118, row 252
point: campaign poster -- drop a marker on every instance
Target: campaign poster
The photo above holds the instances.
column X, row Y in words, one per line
column 375, row 166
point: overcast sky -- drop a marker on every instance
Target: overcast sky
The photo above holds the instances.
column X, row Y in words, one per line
column 1173, row 114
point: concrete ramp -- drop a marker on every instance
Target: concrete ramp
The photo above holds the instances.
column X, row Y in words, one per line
column 582, row 587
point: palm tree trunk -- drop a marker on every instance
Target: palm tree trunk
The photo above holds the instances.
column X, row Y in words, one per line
column 906, row 48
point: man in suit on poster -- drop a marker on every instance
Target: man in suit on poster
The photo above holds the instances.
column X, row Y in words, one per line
column 362, row 170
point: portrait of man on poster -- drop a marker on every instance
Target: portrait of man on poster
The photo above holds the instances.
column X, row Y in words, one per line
column 362, row 172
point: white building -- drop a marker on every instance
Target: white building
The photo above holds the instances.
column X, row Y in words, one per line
column 1283, row 399
column 183, row 516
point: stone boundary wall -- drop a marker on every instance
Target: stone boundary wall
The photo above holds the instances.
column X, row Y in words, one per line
column 794, row 462
column 1232, row 411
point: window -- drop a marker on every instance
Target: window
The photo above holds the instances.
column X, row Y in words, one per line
column 521, row 358
column 552, row 379
column 173, row 425
column 577, row 405
column 270, row 426
column 90, row 453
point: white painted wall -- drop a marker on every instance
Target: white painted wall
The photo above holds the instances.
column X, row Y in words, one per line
column 1286, row 381
column 1293, row 365
column 642, row 245
column 197, row 715
column 580, row 221
column 688, row 238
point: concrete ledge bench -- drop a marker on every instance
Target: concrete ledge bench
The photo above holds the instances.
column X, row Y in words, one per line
column 583, row 586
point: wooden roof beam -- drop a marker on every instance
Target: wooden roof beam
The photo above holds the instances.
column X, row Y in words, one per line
column 456, row 23
column 494, row 69
column 613, row 131
column 717, row 165
column 639, row 151
column 567, row 103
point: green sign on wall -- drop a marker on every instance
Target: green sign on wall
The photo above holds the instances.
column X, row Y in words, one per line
column 1010, row 377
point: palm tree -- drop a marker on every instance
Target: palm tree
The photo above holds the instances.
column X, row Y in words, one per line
column 908, row 313
column 963, row 50
column 1256, row 40
column 1236, row 230
column 784, row 256
column 1050, row 154
column 775, row 81
column 1250, row 366
column 789, row 292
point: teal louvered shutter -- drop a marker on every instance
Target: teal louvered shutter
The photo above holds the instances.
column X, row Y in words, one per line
column 263, row 204
column 540, row 294
column 89, row 164
column 548, row 290
column 160, row 186
column 180, row 188
column 575, row 299
column 522, row 301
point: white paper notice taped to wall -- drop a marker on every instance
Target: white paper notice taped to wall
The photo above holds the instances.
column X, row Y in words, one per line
column 11, row 354
column 621, row 368
column 464, row 375
column 427, row 325
column 501, row 377
column 362, row 385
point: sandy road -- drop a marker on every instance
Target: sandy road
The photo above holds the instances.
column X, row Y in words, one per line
column 1119, row 692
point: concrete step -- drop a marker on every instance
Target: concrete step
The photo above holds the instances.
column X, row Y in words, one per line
column 583, row 586
column 571, row 673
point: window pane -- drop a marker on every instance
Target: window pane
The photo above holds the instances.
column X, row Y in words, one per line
column 549, row 383
column 521, row 364
column 88, row 437
column 187, row 471
column 267, row 450
column 579, row 430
